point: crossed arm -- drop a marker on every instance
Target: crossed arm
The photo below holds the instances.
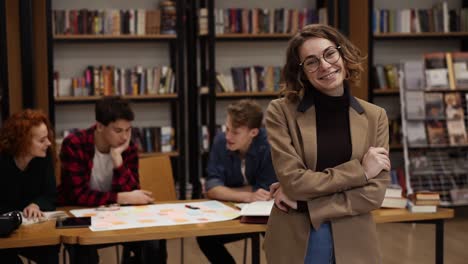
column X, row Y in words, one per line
column 351, row 188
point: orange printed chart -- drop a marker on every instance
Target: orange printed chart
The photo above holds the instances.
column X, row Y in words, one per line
column 158, row 215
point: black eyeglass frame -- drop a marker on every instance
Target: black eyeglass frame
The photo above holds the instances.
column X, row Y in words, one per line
column 338, row 48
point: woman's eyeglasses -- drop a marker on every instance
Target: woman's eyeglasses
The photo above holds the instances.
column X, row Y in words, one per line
column 312, row 63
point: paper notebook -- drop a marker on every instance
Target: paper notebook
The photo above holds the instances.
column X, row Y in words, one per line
column 259, row 208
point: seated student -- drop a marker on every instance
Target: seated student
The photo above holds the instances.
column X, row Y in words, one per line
column 239, row 169
column 28, row 178
column 99, row 167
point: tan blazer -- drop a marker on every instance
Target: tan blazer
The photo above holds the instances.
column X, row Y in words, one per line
column 340, row 194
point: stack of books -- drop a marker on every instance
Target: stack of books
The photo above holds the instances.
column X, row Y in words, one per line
column 423, row 202
column 394, row 197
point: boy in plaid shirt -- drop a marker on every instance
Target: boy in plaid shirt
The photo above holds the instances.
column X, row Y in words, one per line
column 99, row 167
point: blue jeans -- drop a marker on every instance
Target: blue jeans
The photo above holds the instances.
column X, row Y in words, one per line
column 320, row 246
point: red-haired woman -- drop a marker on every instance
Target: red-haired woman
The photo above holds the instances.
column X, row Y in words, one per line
column 27, row 176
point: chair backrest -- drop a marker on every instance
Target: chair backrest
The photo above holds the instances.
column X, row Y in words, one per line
column 156, row 177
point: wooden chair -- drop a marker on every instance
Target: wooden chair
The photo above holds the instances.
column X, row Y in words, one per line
column 156, row 176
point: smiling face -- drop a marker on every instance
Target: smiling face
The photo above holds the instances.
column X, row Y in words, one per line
column 328, row 78
column 39, row 141
column 116, row 133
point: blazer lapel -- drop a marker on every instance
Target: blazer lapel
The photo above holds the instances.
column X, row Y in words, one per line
column 307, row 127
column 359, row 124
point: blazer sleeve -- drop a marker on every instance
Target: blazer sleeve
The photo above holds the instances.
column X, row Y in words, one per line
column 297, row 181
column 357, row 200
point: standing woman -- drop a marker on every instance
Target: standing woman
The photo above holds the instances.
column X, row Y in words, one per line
column 330, row 154
column 28, row 177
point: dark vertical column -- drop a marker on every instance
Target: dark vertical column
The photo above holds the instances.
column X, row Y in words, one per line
column 343, row 16
column 370, row 55
column 3, row 64
column 180, row 77
column 26, row 36
column 193, row 98
column 464, row 40
column 50, row 62
column 211, row 71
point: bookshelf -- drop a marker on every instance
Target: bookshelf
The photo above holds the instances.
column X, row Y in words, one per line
column 434, row 158
column 387, row 48
column 129, row 55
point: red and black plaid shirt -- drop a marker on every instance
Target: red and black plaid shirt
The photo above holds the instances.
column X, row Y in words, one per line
column 76, row 157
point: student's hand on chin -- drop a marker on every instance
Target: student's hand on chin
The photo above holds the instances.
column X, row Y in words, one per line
column 120, row 149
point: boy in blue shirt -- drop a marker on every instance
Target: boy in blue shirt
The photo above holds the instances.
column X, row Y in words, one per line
column 239, row 169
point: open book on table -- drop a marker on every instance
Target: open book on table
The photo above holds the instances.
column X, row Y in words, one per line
column 256, row 212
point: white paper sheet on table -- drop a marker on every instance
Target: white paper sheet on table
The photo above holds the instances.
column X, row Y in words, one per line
column 158, row 215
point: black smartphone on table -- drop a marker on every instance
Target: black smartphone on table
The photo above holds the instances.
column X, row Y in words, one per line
column 73, row 222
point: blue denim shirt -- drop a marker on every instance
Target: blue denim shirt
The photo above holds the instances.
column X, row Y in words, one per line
column 224, row 166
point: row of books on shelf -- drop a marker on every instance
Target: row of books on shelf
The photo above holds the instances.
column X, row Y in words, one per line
column 437, row 133
column 154, row 139
column 436, row 118
column 114, row 21
column 436, row 70
column 439, row 18
column 146, row 139
column 385, row 76
column 262, row 20
column 435, row 105
column 250, row 79
column 395, row 133
column 112, row 80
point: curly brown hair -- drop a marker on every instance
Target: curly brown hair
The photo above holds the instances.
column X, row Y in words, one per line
column 15, row 135
column 292, row 73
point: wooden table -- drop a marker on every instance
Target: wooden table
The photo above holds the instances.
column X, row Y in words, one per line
column 76, row 237
column 42, row 234
column 404, row 216
column 45, row 233
column 86, row 237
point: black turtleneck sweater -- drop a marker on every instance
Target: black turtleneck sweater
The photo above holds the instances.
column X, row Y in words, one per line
column 333, row 131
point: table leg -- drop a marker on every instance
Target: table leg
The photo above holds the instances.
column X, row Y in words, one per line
column 439, row 254
column 71, row 250
column 256, row 248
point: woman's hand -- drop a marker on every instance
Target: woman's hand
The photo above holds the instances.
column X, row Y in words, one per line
column 283, row 202
column 32, row 211
column 374, row 161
